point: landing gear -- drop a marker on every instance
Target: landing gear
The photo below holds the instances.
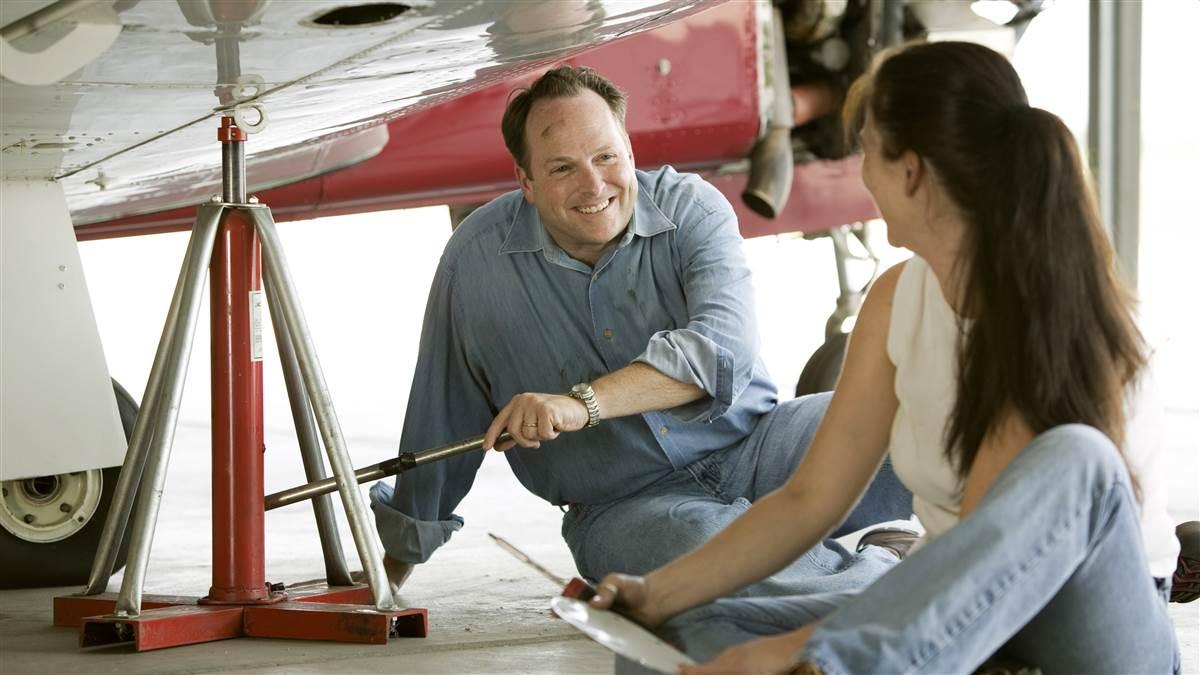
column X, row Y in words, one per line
column 825, row 365
column 50, row 525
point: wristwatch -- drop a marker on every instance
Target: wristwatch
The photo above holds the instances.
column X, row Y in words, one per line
column 583, row 392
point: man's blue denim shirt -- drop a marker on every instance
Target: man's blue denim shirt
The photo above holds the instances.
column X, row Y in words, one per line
column 510, row 312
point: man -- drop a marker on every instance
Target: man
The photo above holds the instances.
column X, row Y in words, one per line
column 604, row 317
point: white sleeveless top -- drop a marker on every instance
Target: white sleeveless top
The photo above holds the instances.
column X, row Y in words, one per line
column 922, row 343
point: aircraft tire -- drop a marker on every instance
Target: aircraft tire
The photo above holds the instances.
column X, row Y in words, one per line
column 823, row 367
column 68, row 561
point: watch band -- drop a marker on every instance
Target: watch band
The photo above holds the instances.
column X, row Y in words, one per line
column 583, row 392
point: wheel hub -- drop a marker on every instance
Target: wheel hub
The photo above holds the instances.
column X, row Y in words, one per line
column 50, row 508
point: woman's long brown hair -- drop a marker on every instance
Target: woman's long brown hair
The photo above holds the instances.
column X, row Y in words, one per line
column 1052, row 335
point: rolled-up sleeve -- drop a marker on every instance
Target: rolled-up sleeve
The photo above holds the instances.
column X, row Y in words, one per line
column 447, row 402
column 718, row 347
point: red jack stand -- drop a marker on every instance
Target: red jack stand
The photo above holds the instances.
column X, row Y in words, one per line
column 231, row 236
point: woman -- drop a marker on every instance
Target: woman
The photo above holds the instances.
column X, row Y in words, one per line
column 1002, row 369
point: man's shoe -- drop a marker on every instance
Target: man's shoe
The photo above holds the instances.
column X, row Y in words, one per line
column 1185, row 586
column 397, row 573
column 894, row 539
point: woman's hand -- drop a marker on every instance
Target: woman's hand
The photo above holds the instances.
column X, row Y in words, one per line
column 776, row 654
column 630, row 595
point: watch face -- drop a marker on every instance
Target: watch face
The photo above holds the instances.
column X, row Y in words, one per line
column 579, row 388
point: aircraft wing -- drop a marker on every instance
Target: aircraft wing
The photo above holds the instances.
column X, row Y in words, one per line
column 130, row 128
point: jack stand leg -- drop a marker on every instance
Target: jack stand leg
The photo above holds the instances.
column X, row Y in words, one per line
column 166, row 412
column 139, row 442
column 336, row 573
column 318, row 392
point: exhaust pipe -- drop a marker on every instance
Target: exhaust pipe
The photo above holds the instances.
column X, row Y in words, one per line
column 770, row 179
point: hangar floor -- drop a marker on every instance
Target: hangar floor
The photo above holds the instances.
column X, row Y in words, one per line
column 487, row 610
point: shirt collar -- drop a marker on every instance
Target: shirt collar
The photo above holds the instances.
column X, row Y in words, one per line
column 525, row 232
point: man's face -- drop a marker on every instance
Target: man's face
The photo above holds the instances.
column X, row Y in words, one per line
column 580, row 177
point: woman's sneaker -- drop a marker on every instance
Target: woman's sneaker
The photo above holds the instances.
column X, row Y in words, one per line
column 896, row 540
column 1185, row 587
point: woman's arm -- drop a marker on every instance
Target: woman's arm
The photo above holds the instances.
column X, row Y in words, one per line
column 841, row 462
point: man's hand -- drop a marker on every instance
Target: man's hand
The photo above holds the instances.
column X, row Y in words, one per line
column 629, row 595
column 533, row 418
column 770, row 655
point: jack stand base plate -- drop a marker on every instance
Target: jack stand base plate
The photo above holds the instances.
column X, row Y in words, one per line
column 314, row 611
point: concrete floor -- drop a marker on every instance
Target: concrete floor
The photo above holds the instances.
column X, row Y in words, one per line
column 487, row 610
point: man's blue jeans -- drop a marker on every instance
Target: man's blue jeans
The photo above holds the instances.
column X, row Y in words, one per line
column 639, row 533
column 1049, row 570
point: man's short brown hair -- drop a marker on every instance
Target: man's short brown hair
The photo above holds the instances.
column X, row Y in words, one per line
column 560, row 82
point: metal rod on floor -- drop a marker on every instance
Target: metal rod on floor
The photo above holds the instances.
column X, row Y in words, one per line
column 336, row 573
column 520, row 555
column 365, row 539
column 208, row 219
column 135, row 457
column 390, row 467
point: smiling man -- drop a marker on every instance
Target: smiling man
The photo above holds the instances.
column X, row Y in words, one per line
column 604, row 317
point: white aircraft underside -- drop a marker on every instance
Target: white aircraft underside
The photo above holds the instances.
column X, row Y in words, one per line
column 110, row 108
column 132, row 130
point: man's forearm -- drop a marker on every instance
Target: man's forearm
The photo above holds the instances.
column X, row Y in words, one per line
column 639, row 388
column 533, row 417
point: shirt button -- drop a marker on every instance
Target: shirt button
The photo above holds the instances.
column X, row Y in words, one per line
column 662, row 430
column 608, row 333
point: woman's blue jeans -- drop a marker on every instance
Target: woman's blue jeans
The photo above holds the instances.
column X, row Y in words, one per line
column 1048, row 570
column 637, row 534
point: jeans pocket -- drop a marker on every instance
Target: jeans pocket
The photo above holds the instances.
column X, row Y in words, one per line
column 707, row 472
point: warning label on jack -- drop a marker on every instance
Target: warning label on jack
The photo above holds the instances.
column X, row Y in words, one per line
column 256, row 326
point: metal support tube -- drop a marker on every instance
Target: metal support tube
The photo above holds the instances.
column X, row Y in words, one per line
column 336, row 573
column 166, row 411
column 324, row 486
column 318, row 393
column 233, row 172
column 448, row 451
column 848, row 300
column 135, row 457
column 891, row 23
column 238, row 556
column 391, row 467
column 229, row 64
column 233, row 160
column 239, row 566
column 1114, row 124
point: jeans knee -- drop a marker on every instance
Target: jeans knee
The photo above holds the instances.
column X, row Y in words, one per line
column 813, row 405
column 1079, row 449
column 807, row 412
